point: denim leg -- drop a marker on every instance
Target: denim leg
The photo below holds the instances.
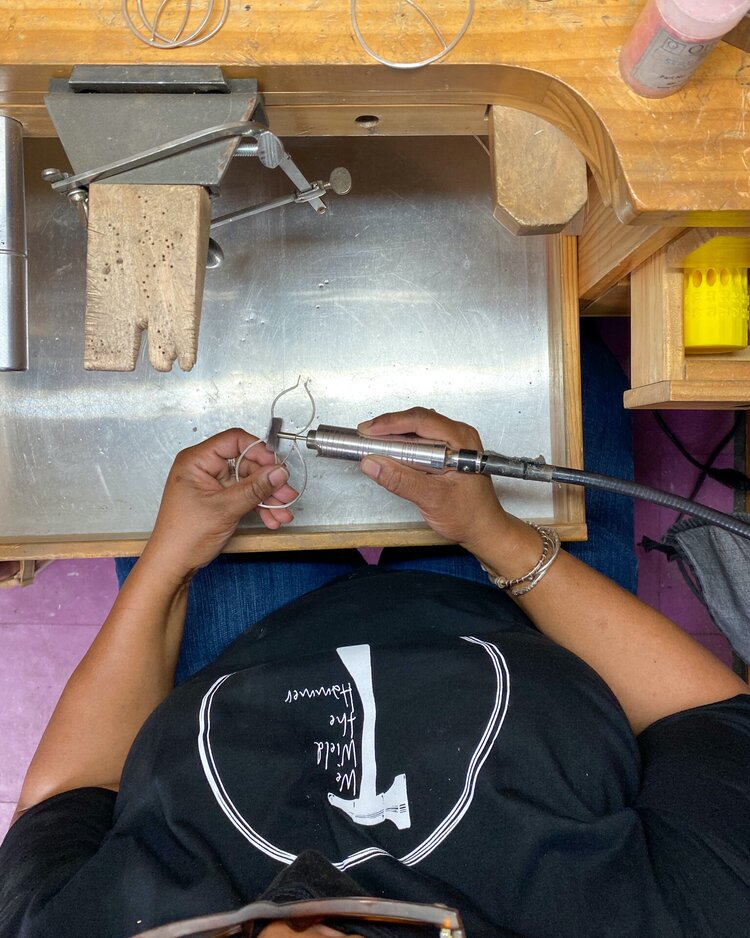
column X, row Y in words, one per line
column 608, row 448
column 450, row 561
column 237, row 590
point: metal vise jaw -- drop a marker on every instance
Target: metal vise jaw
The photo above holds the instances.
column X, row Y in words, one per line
column 148, row 145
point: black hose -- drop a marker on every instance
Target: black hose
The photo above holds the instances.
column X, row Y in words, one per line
column 633, row 489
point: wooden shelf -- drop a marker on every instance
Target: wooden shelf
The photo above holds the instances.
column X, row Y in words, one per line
column 690, row 395
column 608, row 250
column 662, row 374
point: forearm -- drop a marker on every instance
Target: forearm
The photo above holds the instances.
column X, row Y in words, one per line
column 651, row 665
column 127, row 672
column 653, row 668
column 129, row 669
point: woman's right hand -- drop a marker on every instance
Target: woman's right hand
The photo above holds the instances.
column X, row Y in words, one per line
column 202, row 503
column 461, row 508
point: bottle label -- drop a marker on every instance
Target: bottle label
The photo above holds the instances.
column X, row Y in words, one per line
column 668, row 62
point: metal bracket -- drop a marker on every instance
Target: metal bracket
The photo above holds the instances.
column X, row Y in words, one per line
column 268, row 148
column 108, row 116
column 64, row 183
column 340, row 183
column 152, row 95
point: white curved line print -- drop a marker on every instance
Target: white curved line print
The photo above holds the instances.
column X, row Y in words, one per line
column 432, row 841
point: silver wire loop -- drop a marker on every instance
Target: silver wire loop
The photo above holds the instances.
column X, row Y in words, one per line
column 152, row 36
column 296, row 449
column 448, row 47
column 289, row 390
column 295, row 446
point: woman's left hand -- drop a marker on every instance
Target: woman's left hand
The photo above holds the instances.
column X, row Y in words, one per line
column 202, row 503
column 461, row 508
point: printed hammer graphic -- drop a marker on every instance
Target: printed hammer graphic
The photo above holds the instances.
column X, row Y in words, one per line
column 370, row 807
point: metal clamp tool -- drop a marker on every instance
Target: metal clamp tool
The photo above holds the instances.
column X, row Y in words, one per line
column 178, row 97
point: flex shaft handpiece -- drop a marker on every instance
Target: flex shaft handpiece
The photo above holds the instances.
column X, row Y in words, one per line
column 344, row 443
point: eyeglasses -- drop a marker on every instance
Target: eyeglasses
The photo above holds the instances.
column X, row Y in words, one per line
column 308, row 912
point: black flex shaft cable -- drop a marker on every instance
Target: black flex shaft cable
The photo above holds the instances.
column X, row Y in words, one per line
column 680, row 446
column 731, row 478
column 646, row 493
column 712, row 457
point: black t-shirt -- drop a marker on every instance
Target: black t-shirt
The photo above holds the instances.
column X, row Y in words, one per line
column 418, row 732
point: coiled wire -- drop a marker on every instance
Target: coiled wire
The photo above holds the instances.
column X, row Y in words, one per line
column 157, row 40
column 448, row 47
column 295, row 446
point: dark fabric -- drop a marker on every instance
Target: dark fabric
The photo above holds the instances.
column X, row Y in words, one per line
column 45, row 849
column 419, row 734
column 694, row 805
column 720, row 561
column 608, row 448
column 311, row 876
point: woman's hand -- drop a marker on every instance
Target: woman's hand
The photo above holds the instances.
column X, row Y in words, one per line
column 461, row 508
column 202, row 503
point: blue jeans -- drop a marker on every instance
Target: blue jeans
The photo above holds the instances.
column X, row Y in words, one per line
column 238, row 590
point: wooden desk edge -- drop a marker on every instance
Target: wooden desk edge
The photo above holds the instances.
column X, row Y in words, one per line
column 252, row 542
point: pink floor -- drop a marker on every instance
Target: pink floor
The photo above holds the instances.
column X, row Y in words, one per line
column 46, row 628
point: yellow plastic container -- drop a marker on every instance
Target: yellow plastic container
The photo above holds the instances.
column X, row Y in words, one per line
column 715, row 301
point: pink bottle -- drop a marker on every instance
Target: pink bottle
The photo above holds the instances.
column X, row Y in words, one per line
column 671, row 38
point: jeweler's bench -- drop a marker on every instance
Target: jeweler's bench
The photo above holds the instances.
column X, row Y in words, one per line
column 658, row 168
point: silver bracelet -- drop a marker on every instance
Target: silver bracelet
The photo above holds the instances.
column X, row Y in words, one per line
column 550, row 550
